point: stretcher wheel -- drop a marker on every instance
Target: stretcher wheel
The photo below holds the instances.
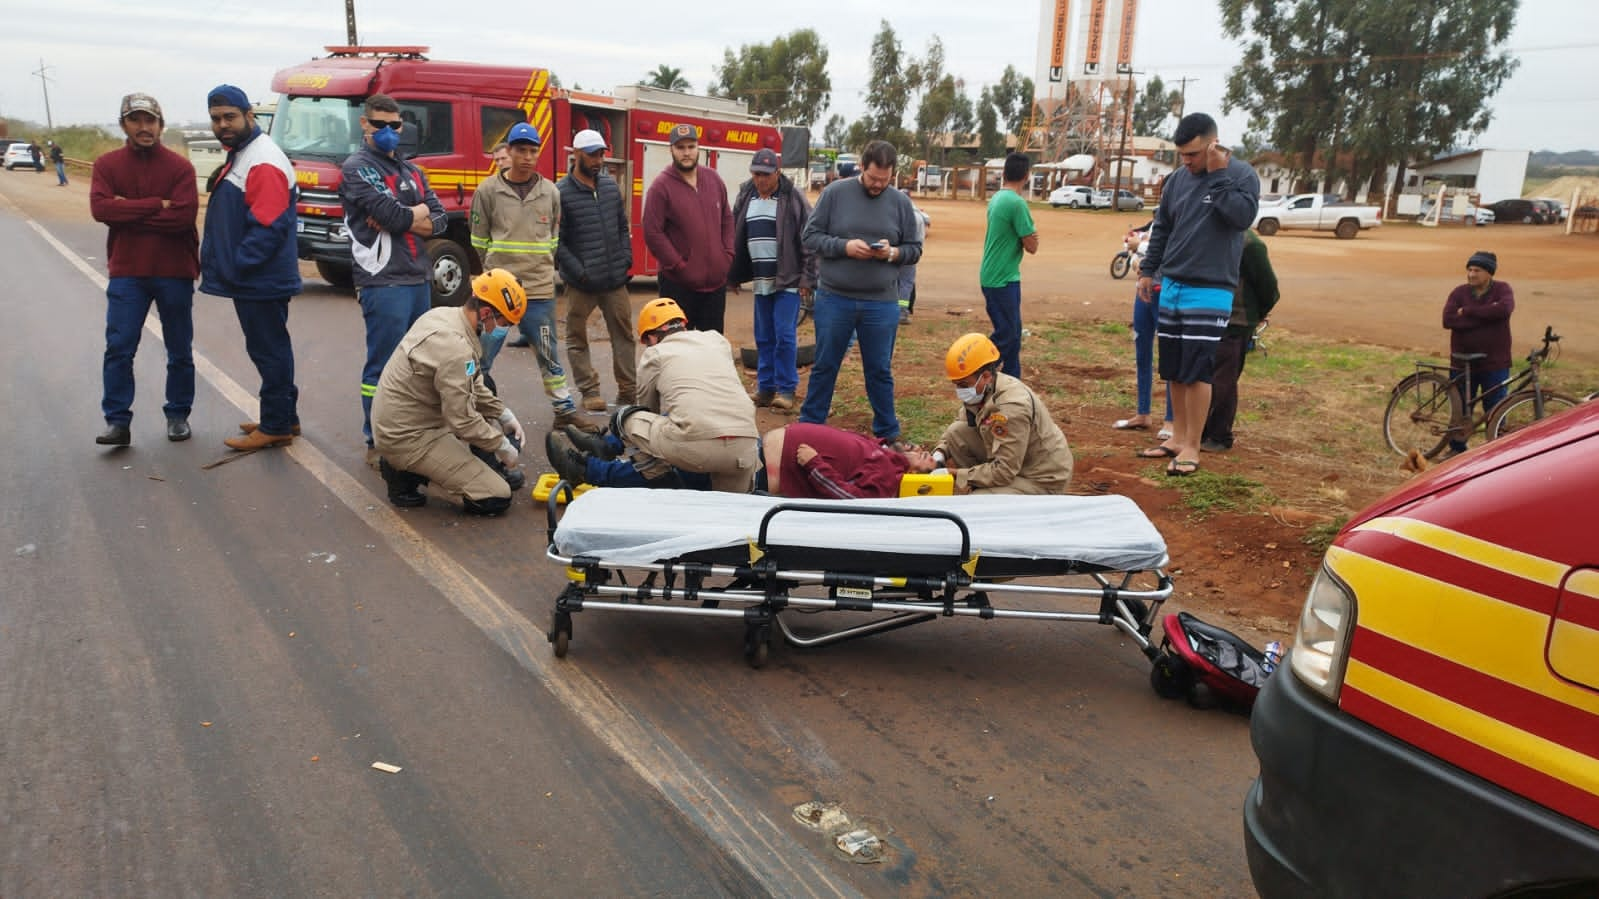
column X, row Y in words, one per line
column 1171, row 677
column 562, row 641
column 758, row 645
column 560, row 635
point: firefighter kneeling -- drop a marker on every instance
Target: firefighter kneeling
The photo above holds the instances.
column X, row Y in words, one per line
column 434, row 420
column 694, row 427
column 1005, row 440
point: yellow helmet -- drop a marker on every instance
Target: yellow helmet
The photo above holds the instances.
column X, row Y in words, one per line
column 657, row 313
column 500, row 289
column 969, row 353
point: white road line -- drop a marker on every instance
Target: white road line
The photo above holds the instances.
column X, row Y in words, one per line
column 748, row 836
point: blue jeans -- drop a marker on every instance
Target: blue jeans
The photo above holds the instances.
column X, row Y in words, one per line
column 1487, row 389
column 776, row 343
column 1145, row 317
column 389, row 312
column 127, row 305
column 622, row 472
column 61, row 173
column 266, row 339
column 1005, row 312
column 838, row 320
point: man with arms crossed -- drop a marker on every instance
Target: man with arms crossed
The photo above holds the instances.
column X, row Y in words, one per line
column 389, row 213
column 146, row 196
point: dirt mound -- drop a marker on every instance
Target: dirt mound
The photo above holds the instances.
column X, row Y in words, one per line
column 1563, row 187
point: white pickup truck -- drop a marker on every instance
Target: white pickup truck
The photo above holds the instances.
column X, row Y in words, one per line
column 1316, row 212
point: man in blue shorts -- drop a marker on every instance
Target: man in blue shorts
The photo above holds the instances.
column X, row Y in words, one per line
column 1205, row 207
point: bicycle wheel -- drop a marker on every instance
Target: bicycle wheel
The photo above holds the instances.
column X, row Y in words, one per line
column 1119, row 264
column 1419, row 414
column 1520, row 409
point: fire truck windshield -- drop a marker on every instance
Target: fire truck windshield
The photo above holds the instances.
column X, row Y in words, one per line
column 319, row 126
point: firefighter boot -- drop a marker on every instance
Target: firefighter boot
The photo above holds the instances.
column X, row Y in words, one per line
column 488, row 507
column 402, row 485
column 514, row 477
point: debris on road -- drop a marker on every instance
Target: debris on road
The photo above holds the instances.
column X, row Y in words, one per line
column 387, row 768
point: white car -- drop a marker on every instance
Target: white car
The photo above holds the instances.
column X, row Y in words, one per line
column 18, row 155
column 1077, row 196
column 1480, row 215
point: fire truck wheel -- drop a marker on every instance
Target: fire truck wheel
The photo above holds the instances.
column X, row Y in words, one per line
column 452, row 272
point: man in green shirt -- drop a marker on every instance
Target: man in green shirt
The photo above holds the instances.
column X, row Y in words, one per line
column 1010, row 231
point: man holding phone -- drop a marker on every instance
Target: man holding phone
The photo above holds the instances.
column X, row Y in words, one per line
column 1198, row 237
column 861, row 233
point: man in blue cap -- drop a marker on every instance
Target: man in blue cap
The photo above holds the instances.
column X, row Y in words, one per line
column 389, row 213
column 516, row 222
column 249, row 254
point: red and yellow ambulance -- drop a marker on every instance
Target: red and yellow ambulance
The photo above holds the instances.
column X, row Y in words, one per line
column 1438, row 733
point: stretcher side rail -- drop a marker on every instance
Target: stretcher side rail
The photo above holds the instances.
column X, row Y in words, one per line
column 1132, row 611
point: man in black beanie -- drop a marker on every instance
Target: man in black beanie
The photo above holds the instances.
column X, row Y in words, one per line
column 1477, row 315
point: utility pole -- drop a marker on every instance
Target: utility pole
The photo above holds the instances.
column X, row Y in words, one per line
column 44, row 81
column 349, row 24
column 1182, row 94
column 1121, row 154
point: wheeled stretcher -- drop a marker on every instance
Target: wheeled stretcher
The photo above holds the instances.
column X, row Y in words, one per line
column 762, row 561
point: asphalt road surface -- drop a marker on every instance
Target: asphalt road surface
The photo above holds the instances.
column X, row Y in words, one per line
column 198, row 667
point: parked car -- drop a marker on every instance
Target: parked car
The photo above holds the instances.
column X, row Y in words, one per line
column 1431, row 733
column 1476, row 214
column 1517, row 210
column 1553, row 210
column 1077, row 196
column 1126, row 200
column 18, row 155
column 1317, row 212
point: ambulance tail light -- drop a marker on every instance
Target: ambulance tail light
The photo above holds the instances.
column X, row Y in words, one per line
column 1321, row 643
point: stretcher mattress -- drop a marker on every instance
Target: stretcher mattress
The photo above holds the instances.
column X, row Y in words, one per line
column 639, row 526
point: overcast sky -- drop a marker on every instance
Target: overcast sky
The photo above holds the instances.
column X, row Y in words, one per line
column 97, row 50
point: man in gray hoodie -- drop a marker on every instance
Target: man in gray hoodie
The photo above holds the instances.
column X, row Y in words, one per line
column 1205, row 207
column 861, row 233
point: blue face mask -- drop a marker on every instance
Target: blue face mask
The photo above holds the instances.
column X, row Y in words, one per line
column 499, row 334
column 386, row 140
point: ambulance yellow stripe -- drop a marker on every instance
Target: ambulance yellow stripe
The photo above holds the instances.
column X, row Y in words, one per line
column 1573, row 648
column 1533, row 751
column 1456, row 623
column 1472, row 549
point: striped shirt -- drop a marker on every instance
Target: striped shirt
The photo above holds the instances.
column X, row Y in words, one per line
column 760, row 223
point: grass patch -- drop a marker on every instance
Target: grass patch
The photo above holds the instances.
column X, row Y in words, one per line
column 1205, row 493
column 1319, row 537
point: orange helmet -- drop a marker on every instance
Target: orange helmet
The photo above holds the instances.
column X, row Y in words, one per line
column 500, row 289
column 657, row 313
column 969, row 353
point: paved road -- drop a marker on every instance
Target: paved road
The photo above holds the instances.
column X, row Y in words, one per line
column 200, row 666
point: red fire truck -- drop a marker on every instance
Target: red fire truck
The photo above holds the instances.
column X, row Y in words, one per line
column 455, row 113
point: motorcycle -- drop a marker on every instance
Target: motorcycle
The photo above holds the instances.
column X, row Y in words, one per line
column 1132, row 253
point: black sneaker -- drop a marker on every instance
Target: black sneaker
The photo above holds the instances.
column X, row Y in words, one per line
column 178, row 429
column 115, row 435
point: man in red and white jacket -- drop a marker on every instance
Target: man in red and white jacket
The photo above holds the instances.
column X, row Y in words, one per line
column 249, row 254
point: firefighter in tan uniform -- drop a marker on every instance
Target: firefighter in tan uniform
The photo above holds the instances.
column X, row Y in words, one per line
column 1005, row 440
column 432, row 415
column 516, row 222
column 694, row 419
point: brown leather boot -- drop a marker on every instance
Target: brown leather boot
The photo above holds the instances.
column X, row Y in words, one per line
column 580, row 421
column 594, row 403
column 258, row 439
column 250, row 427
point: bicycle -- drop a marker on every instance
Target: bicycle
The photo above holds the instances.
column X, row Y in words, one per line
column 1429, row 407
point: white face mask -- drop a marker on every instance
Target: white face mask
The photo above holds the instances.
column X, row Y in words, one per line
column 970, row 396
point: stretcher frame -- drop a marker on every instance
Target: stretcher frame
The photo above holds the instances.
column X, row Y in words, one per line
column 762, row 586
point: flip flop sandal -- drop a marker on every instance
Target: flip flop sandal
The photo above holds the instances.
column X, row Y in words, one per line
column 1127, row 424
column 1157, row 452
column 1181, row 468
